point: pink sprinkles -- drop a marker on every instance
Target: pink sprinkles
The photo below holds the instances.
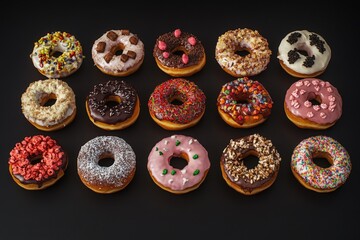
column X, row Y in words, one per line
column 315, row 176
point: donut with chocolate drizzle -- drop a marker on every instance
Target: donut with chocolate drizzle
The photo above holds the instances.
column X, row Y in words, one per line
column 113, row 105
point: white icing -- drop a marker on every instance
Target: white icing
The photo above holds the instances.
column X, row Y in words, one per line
column 303, row 43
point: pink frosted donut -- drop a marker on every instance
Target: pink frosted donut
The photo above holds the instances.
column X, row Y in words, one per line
column 313, row 103
column 178, row 180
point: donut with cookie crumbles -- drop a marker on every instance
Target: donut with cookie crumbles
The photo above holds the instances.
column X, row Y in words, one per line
column 304, row 54
column 177, row 104
column 242, row 40
column 317, row 178
column 45, row 51
column 102, row 178
column 34, row 104
column 244, row 103
column 37, row 162
column 238, row 176
column 118, row 53
column 313, row 104
column 179, row 54
column 113, row 105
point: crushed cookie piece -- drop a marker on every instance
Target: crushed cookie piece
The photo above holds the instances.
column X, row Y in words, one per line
column 293, row 56
column 293, row 37
column 319, row 44
column 309, row 61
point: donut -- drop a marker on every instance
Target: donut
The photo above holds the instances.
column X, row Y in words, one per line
column 53, row 117
column 171, row 116
column 179, row 54
column 37, row 162
column 304, row 54
column 244, row 103
column 113, row 105
column 254, row 180
column 57, row 54
column 106, row 179
column 239, row 40
column 313, row 104
column 176, row 180
column 317, row 178
column 118, row 53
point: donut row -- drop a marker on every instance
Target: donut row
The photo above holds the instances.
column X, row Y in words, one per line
column 241, row 52
column 37, row 162
column 178, row 104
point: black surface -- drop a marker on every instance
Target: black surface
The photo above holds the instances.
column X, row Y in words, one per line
column 68, row 209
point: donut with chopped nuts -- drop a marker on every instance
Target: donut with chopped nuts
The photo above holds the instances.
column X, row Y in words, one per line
column 164, row 107
column 244, row 103
column 313, row 104
column 118, row 53
column 179, row 54
column 36, row 109
column 45, row 51
column 113, row 105
column 99, row 177
column 304, row 54
column 232, row 42
column 254, row 180
column 37, row 162
column 173, row 179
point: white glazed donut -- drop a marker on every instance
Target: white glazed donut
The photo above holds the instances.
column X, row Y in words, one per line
column 102, row 179
column 106, row 52
column 304, row 54
column 49, row 118
column 178, row 180
column 67, row 63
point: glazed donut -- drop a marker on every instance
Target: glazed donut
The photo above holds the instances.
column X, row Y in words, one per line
column 110, row 116
column 313, row 104
column 37, row 162
column 244, row 103
column 46, row 48
column 179, row 54
column 176, row 180
column 238, row 176
column 304, row 54
column 245, row 39
column 49, row 118
column 177, row 117
column 313, row 176
column 118, row 53
column 106, row 179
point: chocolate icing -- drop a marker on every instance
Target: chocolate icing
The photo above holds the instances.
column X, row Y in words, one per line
column 103, row 112
column 181, row 44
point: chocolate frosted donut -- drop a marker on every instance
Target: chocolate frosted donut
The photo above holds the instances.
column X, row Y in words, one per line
column 113, row 105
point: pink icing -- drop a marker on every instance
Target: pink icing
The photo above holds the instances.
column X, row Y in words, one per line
column 192, row 174
column 309, row 88
column 177, row 33
column 192, row 41
column 162, row 45
column 166, row 54
column 185, row 58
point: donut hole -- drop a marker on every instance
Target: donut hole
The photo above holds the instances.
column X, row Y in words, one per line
column 242, row 52
column 179, row 51
column 250, row 159
column 48, row 100
column 177, row 100
column 322, row 160
column 241, row 99
column 118, row 49
column 56, row 54
column 314, row 99
column 35, row 159
column 303, row 50
column 112, row 101
column 106, row 160
column 178, row 162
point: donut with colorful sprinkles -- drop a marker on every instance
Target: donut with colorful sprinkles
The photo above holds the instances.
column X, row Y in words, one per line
column 177, row 104
column 176, row 180
column 317, row 178
column 244, row 103
column 45, row 51
column 37, row 162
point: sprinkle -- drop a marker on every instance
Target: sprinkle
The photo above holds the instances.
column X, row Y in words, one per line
column 156, row 149
column 185, row 180
column 195, row 156
column 196, row 172
column 177, row 143
column 164, row 172
column 183, row 171
column 173, row 172
column 160, row 153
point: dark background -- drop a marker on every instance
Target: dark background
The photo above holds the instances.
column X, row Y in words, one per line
column 69, row 209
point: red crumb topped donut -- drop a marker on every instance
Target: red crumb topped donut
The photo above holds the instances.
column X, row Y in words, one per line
column 246, row 180
column 179, row 54
column 172, row 116
column 313, row 103
column 244, row 103
column 118, row 53
column 247, row 40
column 37, row 162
